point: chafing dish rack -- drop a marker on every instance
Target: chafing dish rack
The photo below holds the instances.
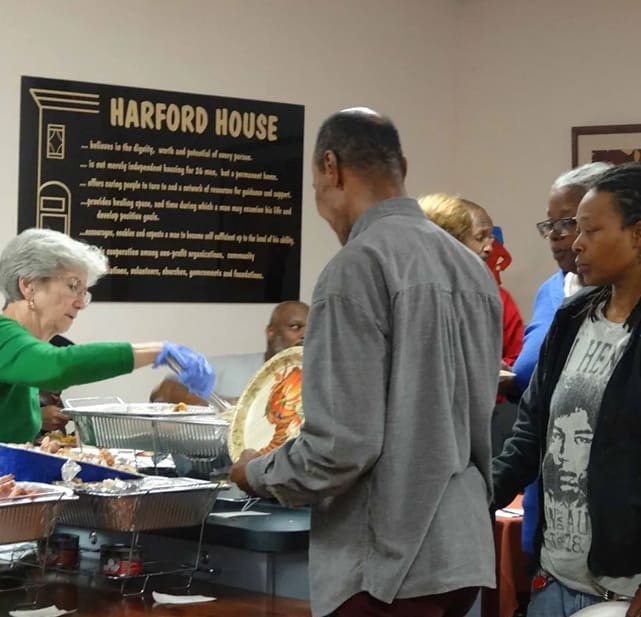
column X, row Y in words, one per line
column 139, row 505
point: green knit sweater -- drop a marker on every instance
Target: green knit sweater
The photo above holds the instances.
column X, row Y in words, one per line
column 28, row 364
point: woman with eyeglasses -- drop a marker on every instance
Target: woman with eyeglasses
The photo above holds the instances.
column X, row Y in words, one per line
column 578, row 430
column 44, row 277
column 559, row 229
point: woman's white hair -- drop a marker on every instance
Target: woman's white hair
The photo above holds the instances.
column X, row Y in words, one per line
column 582, row 177
column 41, row 253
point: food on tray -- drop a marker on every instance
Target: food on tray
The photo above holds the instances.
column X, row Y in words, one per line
column 51, row 446
column 180, row 407
column 9, row 488
column 7, row 484
column 52, row 442
column 146, row 485
column 88, row 454
column 62, row 438
column 109, row 485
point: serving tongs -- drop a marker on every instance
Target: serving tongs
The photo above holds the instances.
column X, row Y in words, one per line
column 216, row 401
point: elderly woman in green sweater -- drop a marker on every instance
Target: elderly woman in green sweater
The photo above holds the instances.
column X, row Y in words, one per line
column 44, row 277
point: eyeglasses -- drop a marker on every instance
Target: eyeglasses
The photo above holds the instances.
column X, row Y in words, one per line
column 561, row 227
column 77, row 289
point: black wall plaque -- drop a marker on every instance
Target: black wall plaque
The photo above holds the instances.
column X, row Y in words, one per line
column 194, row 198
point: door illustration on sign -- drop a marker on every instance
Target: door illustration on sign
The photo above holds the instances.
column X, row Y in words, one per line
column 54, row 198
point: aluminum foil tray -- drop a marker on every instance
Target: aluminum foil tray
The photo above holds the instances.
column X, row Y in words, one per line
column 107, row 430
column 140, row 505
column 140, row 409
column 196, row 432
column 34, row 516
column 196, row 437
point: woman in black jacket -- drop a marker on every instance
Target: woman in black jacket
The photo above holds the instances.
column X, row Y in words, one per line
column 579, row 423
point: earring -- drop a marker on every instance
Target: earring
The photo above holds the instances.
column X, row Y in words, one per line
column 32, row 304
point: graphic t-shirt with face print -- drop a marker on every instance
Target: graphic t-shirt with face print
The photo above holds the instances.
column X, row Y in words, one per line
column 574, row 409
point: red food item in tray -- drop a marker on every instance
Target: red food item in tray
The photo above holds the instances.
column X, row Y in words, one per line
column 9, row 488
column 7, row 484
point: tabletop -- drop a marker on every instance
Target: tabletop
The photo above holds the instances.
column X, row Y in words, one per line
column 88, row 601
column 512, row 579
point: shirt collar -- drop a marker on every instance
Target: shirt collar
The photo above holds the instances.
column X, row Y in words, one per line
column 404, row 206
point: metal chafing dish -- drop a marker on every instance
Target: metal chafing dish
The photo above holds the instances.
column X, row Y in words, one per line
column 196, row 434
column 196, row 437
column 33, row 516
column 140, row 505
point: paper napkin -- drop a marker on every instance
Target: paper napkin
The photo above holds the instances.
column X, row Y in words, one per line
column 47, row 611
column 168, row 598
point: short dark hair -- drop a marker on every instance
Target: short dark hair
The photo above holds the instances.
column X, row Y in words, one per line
column 361, row 140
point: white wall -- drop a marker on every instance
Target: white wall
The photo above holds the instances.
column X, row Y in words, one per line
column 484, row 93
column 526, row 73
column 389, row 54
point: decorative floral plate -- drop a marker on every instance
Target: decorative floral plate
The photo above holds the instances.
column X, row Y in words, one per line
column 270, row 410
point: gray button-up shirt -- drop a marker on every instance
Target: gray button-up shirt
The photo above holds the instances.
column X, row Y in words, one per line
column 402, row 354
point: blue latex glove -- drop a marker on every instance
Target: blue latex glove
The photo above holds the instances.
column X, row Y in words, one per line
column 192, row 368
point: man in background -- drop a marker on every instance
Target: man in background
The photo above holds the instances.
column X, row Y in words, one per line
column 400, row 371
column 285, row 329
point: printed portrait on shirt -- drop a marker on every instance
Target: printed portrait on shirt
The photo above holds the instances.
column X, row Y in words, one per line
column 565, row 463
column 574, row 410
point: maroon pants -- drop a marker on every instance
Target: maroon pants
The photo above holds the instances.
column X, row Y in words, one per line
column 452, row 604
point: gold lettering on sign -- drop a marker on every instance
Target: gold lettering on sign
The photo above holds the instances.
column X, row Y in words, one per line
column 248, row 123
column 157, row 116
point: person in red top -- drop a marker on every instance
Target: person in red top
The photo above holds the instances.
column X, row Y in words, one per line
column 497, row 257
column 470, row 224
column 512, row 331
